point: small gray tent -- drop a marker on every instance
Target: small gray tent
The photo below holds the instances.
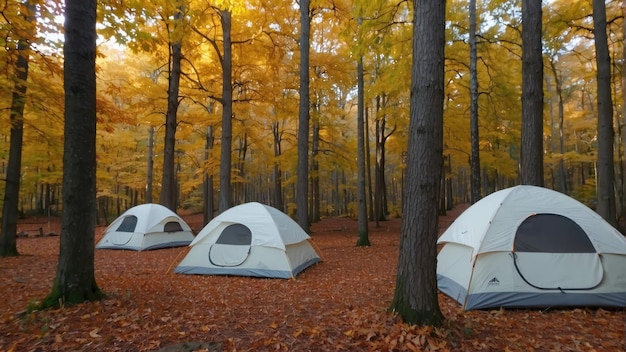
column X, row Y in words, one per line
column 144, row 227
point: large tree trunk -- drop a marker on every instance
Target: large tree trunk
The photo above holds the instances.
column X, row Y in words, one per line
column 75, row 280
column 606, row 172
column 225, row 194
column 532, row 95
column 363, row 237
column 8, row 243
column 415, row 297
column 168, row 181
column 474, row 135
column 302, row 183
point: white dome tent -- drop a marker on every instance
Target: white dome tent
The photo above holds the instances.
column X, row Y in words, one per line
column 250, row 239
column 529, row 246
column 145, row 227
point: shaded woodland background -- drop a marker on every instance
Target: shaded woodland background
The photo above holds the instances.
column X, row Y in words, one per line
column 337, row 305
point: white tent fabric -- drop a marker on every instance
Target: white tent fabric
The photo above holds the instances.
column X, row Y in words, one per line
column 529, row 246
column 145, row 227
column 250, row 239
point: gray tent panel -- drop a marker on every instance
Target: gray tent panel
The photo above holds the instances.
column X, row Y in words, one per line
column 128, row 224
column 235, row 234
column 172, row 226
column 551, row 233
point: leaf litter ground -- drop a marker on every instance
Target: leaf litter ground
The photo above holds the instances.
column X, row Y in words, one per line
column 337, row 305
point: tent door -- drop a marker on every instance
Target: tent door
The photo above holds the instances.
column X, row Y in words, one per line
column 232, row 247
column 121, row 238
column 124, row 231
column 559, row 271
column 553, row 252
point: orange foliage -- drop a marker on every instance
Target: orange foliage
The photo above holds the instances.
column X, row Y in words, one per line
column 337, row 305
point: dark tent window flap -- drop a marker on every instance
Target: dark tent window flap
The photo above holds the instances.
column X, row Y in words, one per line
column 128, row 224
column 235, row 234
column 551, row 233
column 172, row 226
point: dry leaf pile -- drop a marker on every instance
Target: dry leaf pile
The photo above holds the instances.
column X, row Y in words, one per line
column 337, row 305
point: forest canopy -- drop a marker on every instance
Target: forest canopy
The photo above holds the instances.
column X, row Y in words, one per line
column 132, row 84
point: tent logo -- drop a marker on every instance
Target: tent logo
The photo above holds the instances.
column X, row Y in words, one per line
column 493, row 282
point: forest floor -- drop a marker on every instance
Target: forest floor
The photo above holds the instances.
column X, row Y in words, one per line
column 339, row 304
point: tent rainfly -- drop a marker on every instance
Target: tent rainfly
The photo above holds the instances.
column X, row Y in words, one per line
column 528, row 246
column 144, row 227
column 250, row 239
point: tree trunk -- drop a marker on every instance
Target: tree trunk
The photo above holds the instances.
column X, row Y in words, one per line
column 315, row 169
column 207, row 183
column 168, row 181
column 75, row 280
column 561, row 184
column 278, row 179
column 415, row 298
column 606, row 172
column 532, row 95
column 474, row 134
column 302, row 183
column 150, row 169
column 363, row 237
column 8, row 244
column 225, row 194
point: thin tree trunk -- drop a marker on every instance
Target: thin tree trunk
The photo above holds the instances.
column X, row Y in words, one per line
column 363, row 236
column 415, row 298
column 75, row 280
column 150, row 170
column 474, row 133
column 207, row 190
column 278, row 180
column 606, row 172
column 8, row 243
column 225, row 194
column 168, row 181
column 315, row 168
column 302, row 183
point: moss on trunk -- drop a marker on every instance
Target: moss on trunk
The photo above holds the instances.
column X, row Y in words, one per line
column 69, row 297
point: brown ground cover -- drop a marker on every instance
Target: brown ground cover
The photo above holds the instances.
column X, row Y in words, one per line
column 337, row 305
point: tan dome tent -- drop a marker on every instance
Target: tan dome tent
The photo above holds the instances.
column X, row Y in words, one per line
column 250, row 239
column 529, row 246
column 145, row 227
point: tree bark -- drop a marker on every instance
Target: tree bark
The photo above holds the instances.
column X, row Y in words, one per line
column 363, row 236
column 475, row 189
column 415, row 297
column 302, row 183
column 75, row 280
column 8, row 243
column 278, row 179
column 168, row 182
column 606, row 171
column 531, row 159
column 225, row 194
column 207, row 183
column 150, row 167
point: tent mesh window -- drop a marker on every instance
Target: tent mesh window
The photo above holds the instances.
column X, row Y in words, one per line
column 128, row 224
column 172, row 226
column 551, row 233
column 235, row 234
